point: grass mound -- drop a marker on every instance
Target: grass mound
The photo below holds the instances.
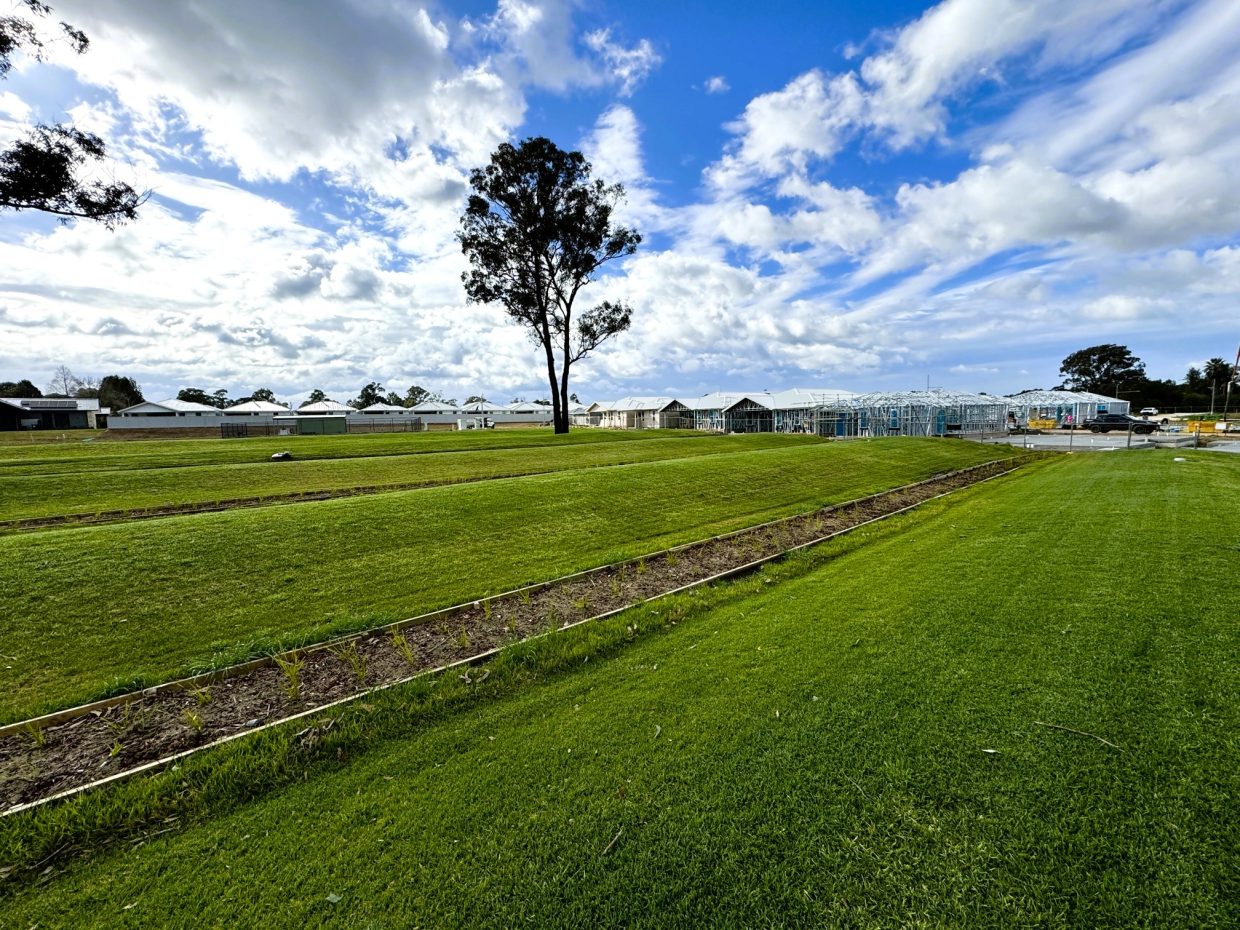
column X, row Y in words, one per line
column 858, row 744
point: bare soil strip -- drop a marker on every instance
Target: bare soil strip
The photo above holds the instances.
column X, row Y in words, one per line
column 63, row 752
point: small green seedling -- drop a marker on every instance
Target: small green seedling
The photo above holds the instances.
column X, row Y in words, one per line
column 292, row 676
column 351, row 656
column 486, row 610
column 462, row 639
column 115, row 750
column 402, row 646
column 37, row 736
column 192, row 719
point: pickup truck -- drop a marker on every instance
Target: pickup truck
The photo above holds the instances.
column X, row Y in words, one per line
column 1105, row 422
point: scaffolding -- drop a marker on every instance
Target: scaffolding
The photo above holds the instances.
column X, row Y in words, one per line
column 929, row 413
column 1054, row 409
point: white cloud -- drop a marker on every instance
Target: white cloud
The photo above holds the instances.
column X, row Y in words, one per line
column 717, row 85
column 628, row 66
column 781, row 131
column 614, row 150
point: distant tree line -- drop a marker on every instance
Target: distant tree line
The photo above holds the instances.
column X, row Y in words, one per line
column 372, row 393
column 1113, row 370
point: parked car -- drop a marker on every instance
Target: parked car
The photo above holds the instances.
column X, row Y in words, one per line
column 1149, row 411
column 1105, row 422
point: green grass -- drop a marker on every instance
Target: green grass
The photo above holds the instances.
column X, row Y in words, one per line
column 804, row 753
column 92, row 609
column 47, row 436
column 94, row 456
column 33, row 494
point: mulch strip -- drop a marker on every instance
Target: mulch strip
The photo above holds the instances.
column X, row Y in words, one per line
column 39, row 762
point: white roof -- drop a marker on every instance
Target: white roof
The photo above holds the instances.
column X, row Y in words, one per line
column 256, row 406
column 173, row 405
column 716, row 400
column 798, row 398
column 481, row 406
column 384, row 408
column 325, row 406
column 52, row 403
column 433, row 406
column 640, row 403
column 761, row 398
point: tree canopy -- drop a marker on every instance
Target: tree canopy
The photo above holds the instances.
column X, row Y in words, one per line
column 23, row 388
column 117, row 392
column 47, row 170
column 1102, row 368
column 372, row 393
column 218, row 399
column 536, row 230
column 1219, row 372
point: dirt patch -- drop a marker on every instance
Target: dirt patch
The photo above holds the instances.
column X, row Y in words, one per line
column 40, row 761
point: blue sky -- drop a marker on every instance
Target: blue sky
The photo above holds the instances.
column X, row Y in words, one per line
column 860, row 196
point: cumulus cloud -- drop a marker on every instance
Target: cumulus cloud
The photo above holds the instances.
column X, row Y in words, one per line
column 627, row 66
column 306, row 194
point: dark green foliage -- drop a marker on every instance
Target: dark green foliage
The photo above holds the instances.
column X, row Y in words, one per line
column 1103, row 368
column 42, row 172
column 195, row 395
column 23, row 388
column 372, row 393
column 119, row 392
column 537, row 229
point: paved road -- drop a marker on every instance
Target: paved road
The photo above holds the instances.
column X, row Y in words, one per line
column 1085, row 441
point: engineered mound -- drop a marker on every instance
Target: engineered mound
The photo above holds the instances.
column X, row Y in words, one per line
column 37, row 499
column 45, row 758
column 906, row 730
column 111, row 608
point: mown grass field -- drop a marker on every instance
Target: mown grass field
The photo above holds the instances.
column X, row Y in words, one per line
column 850, row 739
column 96, row 455
column 31, row 492
column 91, row 609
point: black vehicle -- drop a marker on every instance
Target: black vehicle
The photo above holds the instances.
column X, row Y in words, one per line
column 1105, row 422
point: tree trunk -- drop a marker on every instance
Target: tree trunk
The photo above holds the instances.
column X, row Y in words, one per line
column 556, row 403
column 564, row 393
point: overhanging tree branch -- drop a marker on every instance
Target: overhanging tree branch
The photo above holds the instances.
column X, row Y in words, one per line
column 43, row 172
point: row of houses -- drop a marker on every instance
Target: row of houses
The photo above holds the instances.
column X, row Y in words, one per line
column 834, row 412
column 326, row 416
column 822, row 411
